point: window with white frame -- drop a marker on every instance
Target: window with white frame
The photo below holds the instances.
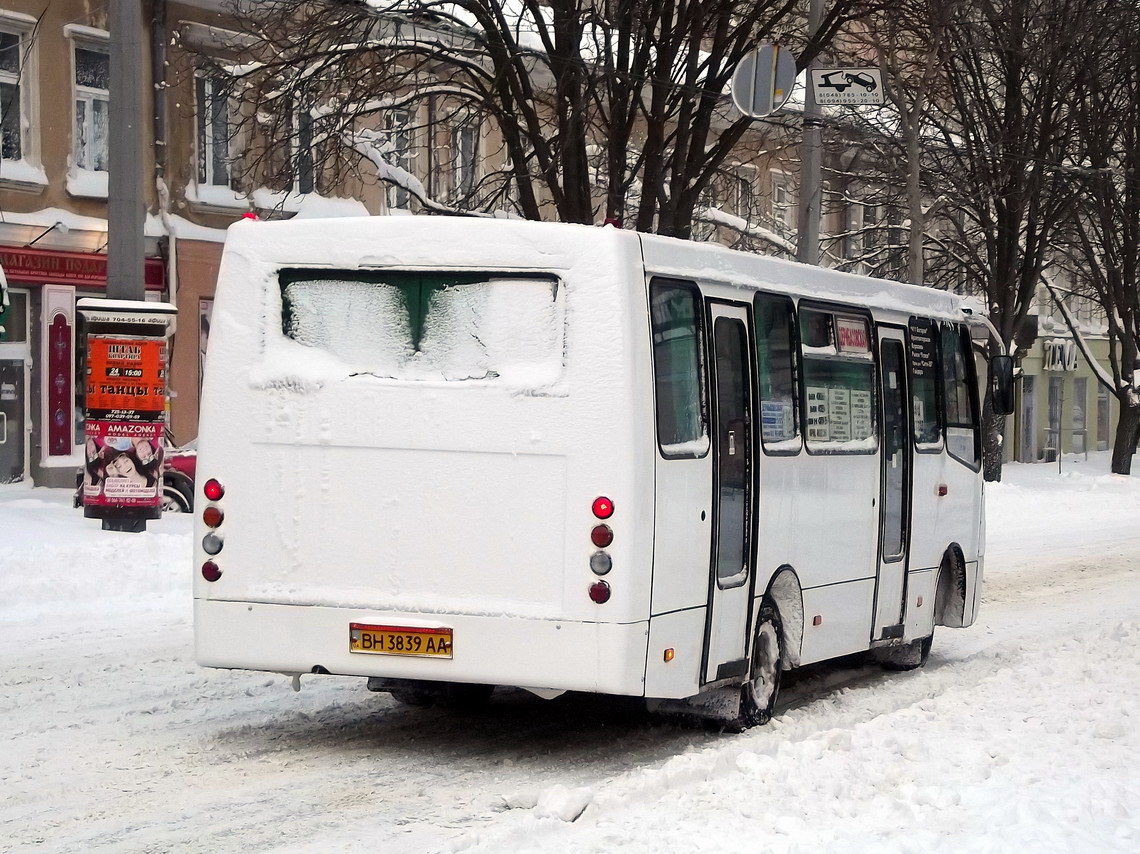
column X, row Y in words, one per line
column 744, row 192
column 303, row 161
column 214, row 109
column 852, row 238
column 398, row 127
column 783, row 204
column 11, row 100
column 92, row 100
column 464, row 154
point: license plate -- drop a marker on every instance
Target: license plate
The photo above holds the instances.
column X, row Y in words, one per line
column 399, row 640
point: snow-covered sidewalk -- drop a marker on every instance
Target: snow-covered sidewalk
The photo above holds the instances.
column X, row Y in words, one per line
column 1020, row 734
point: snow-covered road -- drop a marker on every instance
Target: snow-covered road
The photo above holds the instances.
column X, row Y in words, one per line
column 1022, row 733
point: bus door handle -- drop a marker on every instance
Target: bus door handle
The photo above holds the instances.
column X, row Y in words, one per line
column 731, row 442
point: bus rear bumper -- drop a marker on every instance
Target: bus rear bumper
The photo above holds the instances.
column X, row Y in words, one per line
column 605, row 658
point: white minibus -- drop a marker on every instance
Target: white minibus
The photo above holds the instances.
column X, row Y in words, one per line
column 449, row 454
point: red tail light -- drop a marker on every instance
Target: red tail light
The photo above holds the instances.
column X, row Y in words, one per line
column 600, row 592
column 213, row 516
column 214, row 490
column 602, row 536
column 603, row 507
column 211, row 571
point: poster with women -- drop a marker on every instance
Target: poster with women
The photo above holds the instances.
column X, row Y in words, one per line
column 126, row 403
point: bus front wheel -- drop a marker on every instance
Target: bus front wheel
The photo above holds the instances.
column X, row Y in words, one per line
column 758, row 695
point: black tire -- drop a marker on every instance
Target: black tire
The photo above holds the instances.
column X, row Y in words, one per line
column 759, row 694
column 173, row 501
column 910, row 656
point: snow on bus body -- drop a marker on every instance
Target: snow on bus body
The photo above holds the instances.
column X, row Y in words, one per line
column 424, row 488
column 416, row 501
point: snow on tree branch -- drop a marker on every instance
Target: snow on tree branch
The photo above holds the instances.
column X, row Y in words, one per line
column 376, row 147
column 741, row 225
column 1103, row 376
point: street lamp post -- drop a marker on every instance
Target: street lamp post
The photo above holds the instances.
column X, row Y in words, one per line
column 807, row 249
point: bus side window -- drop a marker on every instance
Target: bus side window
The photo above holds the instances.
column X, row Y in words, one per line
column 924, row 386
column 678, row 369
column 776, row 353
column 839, row 383
column 958, row 397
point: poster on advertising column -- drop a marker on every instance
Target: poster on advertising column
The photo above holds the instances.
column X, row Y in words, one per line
column 126, row 407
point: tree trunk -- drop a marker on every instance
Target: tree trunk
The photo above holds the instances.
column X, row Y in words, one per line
column 1124, row 444
column 993, row 429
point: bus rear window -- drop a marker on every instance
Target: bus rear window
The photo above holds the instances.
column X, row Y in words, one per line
column 437, row 326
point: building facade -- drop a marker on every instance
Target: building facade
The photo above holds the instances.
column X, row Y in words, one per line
column 1061, row 406
column 54, row 112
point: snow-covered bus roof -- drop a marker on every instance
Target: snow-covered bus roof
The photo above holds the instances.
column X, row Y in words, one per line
column 457, row 243
column 665, row 256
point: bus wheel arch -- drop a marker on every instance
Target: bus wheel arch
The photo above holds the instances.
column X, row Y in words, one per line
column 785, row 593
column 950, row 590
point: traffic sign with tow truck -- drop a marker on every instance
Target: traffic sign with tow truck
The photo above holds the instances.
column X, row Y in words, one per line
column 835, row 86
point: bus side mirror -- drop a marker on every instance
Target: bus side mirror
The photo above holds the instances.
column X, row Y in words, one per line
column 1001, row 379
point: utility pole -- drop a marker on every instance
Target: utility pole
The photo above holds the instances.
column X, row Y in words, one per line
column 125, row 202
column 807, row 249
column 125, row 281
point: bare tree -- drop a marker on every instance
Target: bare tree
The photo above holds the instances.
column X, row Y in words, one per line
column 889, row 145
column 1104, row 234
column 609, row 109
column 1001, row 156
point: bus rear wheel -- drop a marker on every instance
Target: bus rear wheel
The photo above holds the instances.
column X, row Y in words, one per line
column 758, row 695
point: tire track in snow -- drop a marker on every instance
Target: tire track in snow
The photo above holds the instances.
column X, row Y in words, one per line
column 871, row 719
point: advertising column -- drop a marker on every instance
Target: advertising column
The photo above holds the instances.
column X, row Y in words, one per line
column 127, row 368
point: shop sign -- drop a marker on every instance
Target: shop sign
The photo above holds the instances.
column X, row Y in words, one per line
column 1060, row 355
column 43, row 266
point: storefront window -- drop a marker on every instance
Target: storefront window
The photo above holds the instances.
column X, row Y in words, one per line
column 1102, row 418
column 14, row 319
column 1080, row 421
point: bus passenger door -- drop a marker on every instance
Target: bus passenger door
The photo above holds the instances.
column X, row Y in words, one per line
column 726, row 632
column 894, row 486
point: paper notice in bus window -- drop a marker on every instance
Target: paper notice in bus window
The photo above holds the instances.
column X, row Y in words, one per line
column 861, row 422
column 839, row 413
column 818, row 428
column 777, row 421
column 852, row 335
